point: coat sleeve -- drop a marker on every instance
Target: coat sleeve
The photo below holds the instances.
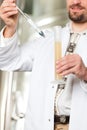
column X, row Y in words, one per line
column 12, row 56
column 15, row 57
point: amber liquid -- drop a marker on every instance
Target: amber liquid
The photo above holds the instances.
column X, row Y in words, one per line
column 58, row 55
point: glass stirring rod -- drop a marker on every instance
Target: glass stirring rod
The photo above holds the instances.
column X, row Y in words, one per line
column 31, row 22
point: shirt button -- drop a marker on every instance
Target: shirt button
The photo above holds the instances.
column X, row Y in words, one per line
column 84, row 33
column 49, row 120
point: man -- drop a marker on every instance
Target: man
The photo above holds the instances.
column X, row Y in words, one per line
column 38, row 57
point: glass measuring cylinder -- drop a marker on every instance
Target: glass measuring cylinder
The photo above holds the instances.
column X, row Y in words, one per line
column 57, row 48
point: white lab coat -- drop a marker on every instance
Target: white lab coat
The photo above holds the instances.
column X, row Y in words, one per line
column 38, row 56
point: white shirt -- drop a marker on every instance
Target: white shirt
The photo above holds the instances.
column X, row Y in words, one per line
column 38, row 56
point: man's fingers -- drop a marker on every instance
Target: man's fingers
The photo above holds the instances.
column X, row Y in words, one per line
column 12, row 1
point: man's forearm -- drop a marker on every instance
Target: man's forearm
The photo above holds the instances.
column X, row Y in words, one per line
column 85, row 76
column 8, row 32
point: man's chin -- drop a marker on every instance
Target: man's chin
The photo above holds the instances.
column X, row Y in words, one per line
column 76, row 18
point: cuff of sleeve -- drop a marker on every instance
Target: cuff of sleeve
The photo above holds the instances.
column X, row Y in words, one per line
column 6, row 41
column 83, row 85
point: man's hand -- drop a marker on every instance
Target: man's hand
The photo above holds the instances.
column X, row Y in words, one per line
column 72, row 64
column 9, row 14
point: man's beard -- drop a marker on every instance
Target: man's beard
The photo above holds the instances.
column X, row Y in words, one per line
column 81, row 18
column 77, row 18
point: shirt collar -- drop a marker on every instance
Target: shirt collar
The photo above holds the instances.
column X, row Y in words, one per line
column 71, row 31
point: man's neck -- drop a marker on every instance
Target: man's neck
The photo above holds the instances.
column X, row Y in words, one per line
column 79, row 27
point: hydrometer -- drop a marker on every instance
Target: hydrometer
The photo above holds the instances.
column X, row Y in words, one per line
column 29, row 20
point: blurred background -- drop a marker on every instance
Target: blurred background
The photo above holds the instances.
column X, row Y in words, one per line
column 14, row 86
